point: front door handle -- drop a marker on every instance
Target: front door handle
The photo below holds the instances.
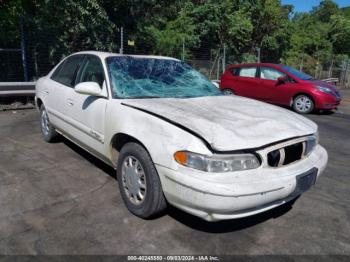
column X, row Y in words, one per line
column 70, row 102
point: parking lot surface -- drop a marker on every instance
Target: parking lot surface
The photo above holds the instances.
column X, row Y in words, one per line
column 58, row 199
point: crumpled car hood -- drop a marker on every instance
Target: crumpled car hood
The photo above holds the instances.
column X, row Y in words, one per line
column 229, row 122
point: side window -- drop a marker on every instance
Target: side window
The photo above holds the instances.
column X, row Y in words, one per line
column 247, row 72
column 91, row 71
column 270, row 73
column 234, row 71
column 66, row 74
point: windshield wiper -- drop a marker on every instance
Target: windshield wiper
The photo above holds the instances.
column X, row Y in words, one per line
column 142, row 97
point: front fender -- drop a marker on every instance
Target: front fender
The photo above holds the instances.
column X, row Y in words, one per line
column 161, row 139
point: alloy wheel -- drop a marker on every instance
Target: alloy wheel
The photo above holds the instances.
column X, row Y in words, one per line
column 303, row 104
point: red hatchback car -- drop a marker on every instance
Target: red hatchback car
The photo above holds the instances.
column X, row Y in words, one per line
column 279, row 84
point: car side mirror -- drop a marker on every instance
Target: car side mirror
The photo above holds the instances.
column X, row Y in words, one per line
column 281, row 80
column 89, row 88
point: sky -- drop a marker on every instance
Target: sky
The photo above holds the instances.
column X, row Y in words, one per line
column 306, row 5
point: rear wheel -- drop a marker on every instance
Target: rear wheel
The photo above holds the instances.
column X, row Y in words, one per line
column 47, row 130
column 139, row 182
column 303, row 104
column 228, row 92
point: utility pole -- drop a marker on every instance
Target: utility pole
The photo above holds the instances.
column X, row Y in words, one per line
column 121, row 50
column 301, row 65
column 346, row 78
column 258, row 50
column 183, row 49
column 224, row 60
column 23, row 50
column 218, row 68
column 330, row 69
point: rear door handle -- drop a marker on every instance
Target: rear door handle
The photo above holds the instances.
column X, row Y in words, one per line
column 46, row 92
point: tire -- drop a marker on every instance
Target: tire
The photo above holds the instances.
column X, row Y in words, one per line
column 228, row 92
column 303, row 104
column 141, row 190
column 47, row 130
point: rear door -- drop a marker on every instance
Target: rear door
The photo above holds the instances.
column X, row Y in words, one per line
column 246, row 81
column 270, row 89
column 87, row 113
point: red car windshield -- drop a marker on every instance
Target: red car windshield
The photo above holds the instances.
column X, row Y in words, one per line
column 297, row 73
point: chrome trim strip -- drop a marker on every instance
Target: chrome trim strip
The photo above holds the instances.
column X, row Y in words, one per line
column 304, row 148
column 282, row 156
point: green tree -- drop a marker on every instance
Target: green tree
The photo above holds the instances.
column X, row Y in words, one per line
column 9, row 23
column 169, row 38
column 340, row 34
column 324, row 11
column 68, row 26
column 319, row 38
column 54, row 29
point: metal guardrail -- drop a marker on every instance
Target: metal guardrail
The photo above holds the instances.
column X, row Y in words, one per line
column 17, row 89
column 216, row 83
column 331, row 80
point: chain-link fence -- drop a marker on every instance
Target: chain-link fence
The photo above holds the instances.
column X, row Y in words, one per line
column 11, row 67
column 40, row 53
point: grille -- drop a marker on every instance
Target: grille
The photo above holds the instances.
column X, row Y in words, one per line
column 291, row 153
column 337, row 94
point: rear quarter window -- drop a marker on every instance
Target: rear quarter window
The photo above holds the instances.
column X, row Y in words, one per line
column 234, row 71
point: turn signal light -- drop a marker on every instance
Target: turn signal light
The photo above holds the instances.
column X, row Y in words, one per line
column 180, row 157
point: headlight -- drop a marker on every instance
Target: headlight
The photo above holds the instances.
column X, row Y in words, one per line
column 324, row 89
column 217, row 163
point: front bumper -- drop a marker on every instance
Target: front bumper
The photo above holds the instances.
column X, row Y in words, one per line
column 218, row 196
column 327, row 101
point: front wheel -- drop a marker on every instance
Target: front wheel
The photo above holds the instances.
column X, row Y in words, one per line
column 139, row 183
column 303, row 104
column 228, row 92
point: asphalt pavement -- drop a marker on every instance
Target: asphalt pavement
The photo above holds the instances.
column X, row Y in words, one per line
column 58, row 199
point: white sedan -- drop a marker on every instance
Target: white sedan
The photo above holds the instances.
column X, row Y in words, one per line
column 173, row 138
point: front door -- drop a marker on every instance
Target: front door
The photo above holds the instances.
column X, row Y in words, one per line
column 87, row 113
column 61, row 82
column 270, row 89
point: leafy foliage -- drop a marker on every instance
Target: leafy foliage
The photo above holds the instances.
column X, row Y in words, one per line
column 303, row 40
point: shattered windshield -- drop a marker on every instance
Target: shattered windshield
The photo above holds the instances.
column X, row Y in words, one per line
column 136, row 77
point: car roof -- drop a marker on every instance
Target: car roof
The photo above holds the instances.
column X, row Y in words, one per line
column 254, row 64
column 104, row 55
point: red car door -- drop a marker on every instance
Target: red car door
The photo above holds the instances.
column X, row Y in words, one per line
column 246, row 81
column 270, row 89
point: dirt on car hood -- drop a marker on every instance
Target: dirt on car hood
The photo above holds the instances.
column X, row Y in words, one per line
column 229, row 122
